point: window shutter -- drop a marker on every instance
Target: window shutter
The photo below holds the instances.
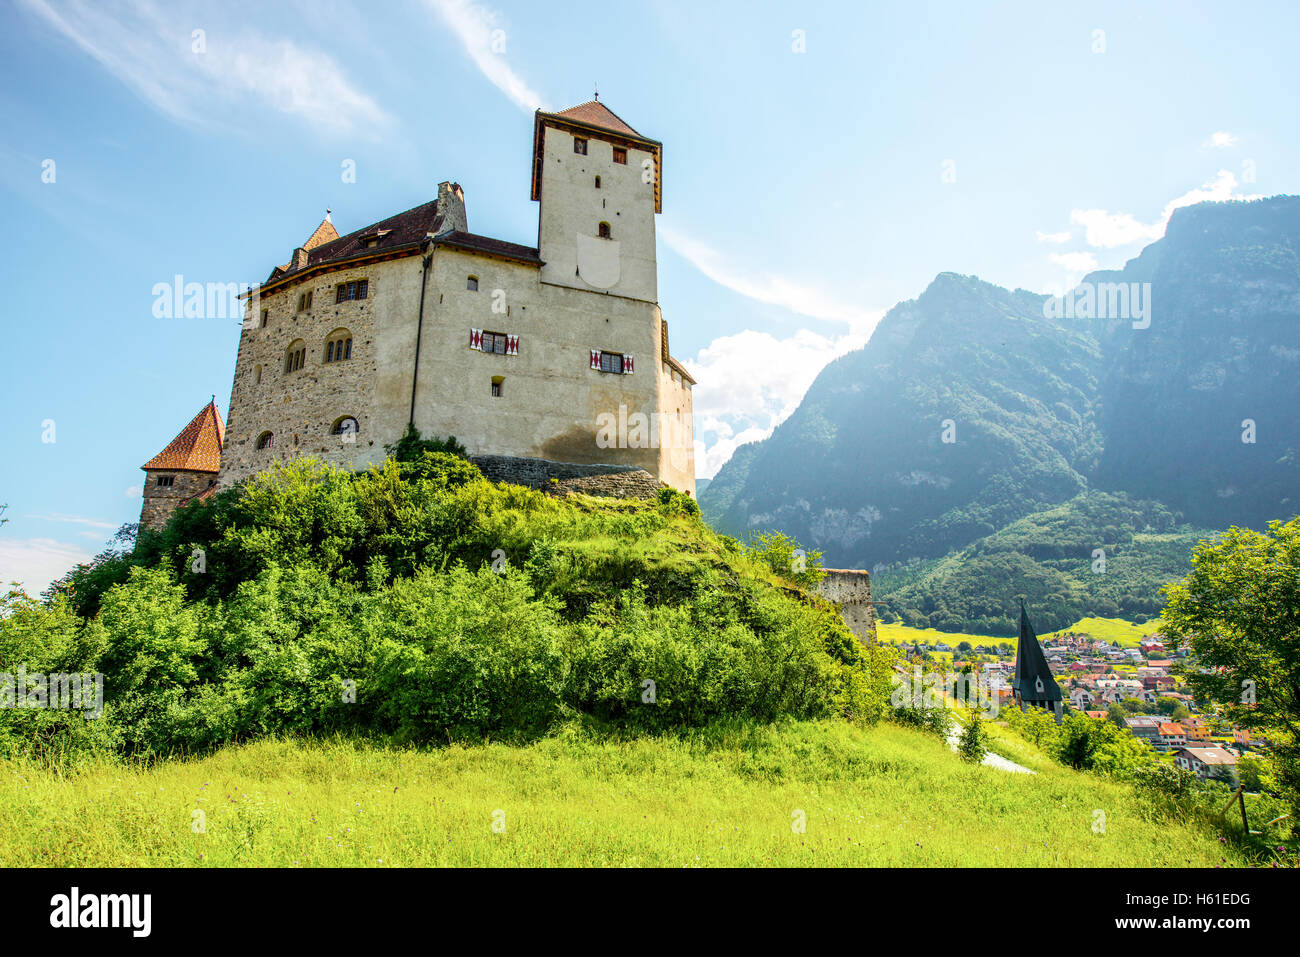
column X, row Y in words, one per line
column 595, row 359
column 476, row 339
column 512, row 345
column 627, row 364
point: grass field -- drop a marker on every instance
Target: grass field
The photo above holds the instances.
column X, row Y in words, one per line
column 1108, row 629
column 885, row 796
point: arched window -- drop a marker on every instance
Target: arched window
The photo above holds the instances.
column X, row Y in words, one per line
column 604, row 230
column 338, row 346
column 295, row 356
column 471, row 283
column 347, row 425
column 266, row 440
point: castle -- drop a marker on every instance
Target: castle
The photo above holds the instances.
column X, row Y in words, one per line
column 549, row 363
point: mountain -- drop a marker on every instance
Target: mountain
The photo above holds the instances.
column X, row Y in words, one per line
column 973, row 407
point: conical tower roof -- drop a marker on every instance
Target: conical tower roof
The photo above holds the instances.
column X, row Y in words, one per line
column 197, row 448
column 1032, row 682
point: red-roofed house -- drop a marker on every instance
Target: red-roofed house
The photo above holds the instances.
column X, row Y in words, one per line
column 1172, row 735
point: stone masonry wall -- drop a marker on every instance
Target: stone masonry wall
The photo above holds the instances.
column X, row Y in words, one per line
column 160, row 502
column 850, row 589
column 610, row 481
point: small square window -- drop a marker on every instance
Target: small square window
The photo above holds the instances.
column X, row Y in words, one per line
column 620, row 155
column 580, row 146
column 497, row 383
column 611, row 362
column 471, row 283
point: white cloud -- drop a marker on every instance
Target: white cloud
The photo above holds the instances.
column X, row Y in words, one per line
column 1077, row 265
column 806, row 299
column 1221, row 140
column 750, row 382
column 153, row 53
column 1106, row 230
column 134, row 491
column 1057, row 238
column 35, row 562
column 478, row 29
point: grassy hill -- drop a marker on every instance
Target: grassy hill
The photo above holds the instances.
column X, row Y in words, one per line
column 720, row 796
column 1099, row 555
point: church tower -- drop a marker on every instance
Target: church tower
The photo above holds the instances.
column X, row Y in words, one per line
column 598, row 184
column 1032, row 685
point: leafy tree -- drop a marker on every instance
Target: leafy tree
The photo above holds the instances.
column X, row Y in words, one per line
column 972, row 746
column 1239, row 613
column 785, row 558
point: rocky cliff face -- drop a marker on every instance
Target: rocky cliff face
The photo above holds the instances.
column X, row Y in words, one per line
column 1222, row 353
column 970, row 408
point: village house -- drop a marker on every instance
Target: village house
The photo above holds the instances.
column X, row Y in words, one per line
column 1172, row 735
column 1208, row 762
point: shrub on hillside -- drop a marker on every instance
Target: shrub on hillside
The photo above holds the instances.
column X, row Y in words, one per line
column 421, row 601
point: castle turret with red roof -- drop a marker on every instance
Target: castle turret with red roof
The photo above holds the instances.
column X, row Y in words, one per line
column 186, row 470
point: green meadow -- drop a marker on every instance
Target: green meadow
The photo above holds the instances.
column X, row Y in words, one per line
column 715, row 797
column 1108, row 629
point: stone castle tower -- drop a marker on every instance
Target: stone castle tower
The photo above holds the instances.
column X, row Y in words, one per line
column 545, row 362
column 186, row 470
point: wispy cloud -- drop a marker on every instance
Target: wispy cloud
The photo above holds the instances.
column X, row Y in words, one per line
column 206, row 79
column 486, row 41
column 1221, row 140
column 750, row 382
column 35, row 562
column 73, row 519
column 1057, row 238
column 807, row 299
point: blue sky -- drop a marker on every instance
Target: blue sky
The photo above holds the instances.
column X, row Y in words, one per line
column 822, row 163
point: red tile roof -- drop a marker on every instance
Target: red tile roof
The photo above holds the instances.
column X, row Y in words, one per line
column 595, row 113
column 1172, row 729
column 197, row 448
column 324, row 233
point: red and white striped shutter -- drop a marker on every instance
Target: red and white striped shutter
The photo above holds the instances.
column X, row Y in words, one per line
column 476, row 339
column 595, row 359
column 627, row 364
column 512, row 345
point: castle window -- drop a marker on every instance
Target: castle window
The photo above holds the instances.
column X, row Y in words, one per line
column 604, row 231
column 495, row 342
column 338, row 346
column 266, row 440
column 611, row 362
column 296, row 356
column 304, row 301
column 347, row 291
column 257, row 375
column 597, row 182
column 471, row 283
column 347, row 425
column 266, row 317
column 579, row 146
column 498, row 386
column 166, row 481
column 620, row 155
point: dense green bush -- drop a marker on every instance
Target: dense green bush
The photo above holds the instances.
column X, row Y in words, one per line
column 420, row 601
